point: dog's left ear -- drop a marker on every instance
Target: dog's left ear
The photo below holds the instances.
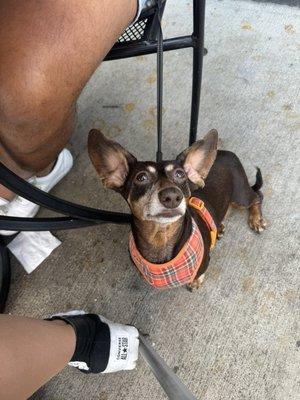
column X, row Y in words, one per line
column 110, row 160
column 199, row 158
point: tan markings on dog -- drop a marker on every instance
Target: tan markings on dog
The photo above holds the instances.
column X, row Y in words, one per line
column 158, row 235
column 151, row 169
column 227, row 213
column 156, row 241
column 197, row 283
column 256, row 221
column 169, row 167
column 238, row 206
column 221, row 228
column 221, row 231
column 138, row 207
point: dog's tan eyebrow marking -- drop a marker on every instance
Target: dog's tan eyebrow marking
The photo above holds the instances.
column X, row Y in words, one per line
column 169, row 167
column 151, row 169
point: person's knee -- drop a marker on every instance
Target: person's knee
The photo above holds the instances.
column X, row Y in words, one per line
column 28, row 100
column 31, row 113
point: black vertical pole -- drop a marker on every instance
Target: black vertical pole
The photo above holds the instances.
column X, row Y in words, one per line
column 4, row 275
column 160, row 61
column 198, row 52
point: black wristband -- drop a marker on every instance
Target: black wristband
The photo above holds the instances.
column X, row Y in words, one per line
column 92, row 341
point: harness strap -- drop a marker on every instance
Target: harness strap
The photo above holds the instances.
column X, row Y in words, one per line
column 180, row 270
column 206, row 216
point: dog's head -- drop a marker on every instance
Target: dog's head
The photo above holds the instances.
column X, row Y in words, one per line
column 154, row 191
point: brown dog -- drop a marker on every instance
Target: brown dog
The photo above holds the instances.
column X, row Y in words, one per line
column 158, row 195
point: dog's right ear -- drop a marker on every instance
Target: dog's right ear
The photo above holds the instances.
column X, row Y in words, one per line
column 110, row 160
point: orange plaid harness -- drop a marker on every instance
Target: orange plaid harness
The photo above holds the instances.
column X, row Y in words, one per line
column 183, row 268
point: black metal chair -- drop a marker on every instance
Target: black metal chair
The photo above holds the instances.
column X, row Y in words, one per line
column 138, row 39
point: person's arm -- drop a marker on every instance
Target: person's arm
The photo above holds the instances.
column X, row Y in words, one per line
column 33, row 351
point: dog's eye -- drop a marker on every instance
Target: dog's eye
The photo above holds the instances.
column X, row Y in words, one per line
column 142, row 177
column 179, row 173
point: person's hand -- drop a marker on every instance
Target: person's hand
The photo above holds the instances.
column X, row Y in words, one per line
column 101, row 345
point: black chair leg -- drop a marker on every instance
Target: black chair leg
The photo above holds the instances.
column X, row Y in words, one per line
column 198, row 53
column 5, row 274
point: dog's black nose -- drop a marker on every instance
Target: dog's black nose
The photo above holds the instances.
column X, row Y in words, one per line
column 170, row 197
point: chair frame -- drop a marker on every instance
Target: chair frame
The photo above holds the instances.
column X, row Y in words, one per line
column 148, row 45
column 79, row 216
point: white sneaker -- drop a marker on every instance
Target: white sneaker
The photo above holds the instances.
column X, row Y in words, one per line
column 20, row 207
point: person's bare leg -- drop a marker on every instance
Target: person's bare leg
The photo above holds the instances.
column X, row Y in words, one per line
column 48, row 51
column 31, row 352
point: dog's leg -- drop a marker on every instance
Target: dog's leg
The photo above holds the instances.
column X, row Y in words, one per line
column 221, row 227
column 196, row 284
column 246, row 196
column 256, row 220
column 221, row 230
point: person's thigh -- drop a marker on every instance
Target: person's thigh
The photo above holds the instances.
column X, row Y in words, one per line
column 48, row 51
column 61, row 41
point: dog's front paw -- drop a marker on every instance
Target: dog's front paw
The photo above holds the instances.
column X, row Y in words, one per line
column 221, row 231
column 196, row 284
column 257, row 223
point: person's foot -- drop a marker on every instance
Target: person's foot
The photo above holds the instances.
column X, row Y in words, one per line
column 20, row 207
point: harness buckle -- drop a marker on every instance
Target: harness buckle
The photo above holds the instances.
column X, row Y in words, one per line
column 196, row 203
